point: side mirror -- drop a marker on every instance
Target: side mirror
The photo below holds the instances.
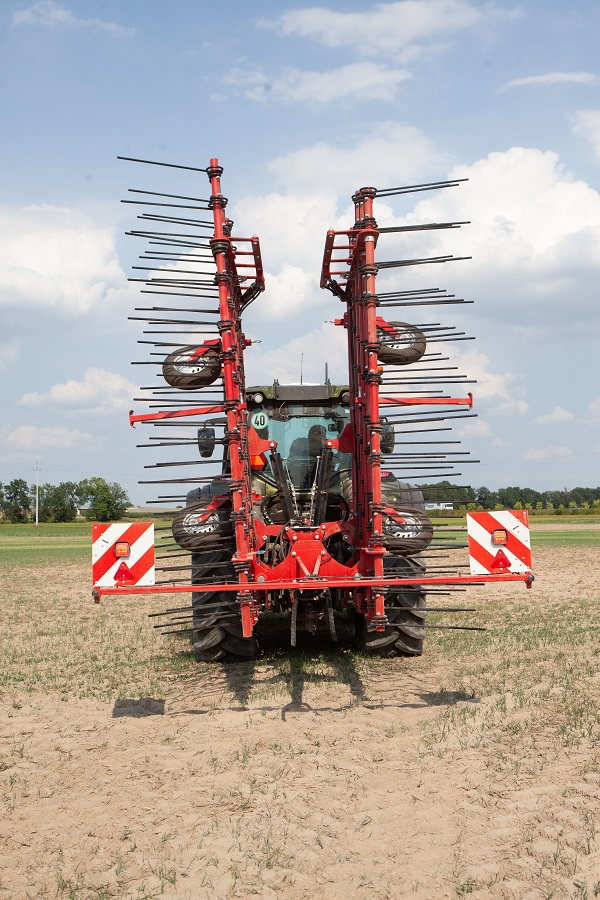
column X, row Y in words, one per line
column 387, row 438
column 206, row 442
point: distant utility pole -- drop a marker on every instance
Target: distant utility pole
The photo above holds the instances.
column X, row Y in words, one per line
column 37, row 471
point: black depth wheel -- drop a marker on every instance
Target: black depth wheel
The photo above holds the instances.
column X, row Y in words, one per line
column 404, row 634
column 217, row 629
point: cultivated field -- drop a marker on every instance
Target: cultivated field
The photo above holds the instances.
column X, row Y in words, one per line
column 129, row 771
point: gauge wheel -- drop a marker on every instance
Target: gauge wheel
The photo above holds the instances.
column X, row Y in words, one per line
column 406, row 344
column 183, row 369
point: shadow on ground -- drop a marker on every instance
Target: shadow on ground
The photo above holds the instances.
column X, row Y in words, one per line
column 137, row 709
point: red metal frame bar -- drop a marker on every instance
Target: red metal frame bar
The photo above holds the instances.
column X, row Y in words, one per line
column 314, row 583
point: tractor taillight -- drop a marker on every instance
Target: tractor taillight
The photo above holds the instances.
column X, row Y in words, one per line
column 122, row 549
column 499, row 536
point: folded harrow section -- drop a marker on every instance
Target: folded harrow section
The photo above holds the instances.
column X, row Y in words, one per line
column 314, row 506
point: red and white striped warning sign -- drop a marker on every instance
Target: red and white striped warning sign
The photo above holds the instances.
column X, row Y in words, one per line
column 123, row 554
column 499, row 542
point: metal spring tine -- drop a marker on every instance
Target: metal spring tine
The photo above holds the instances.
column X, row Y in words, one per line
column 428, row 186
column 153, row 321
column 195, row 295
column 428, row 226
column 420, row 430
column 412, row 292
column 189, row 331
column 403, row 418
column 191, row 462
column 401, row 263
column 176, row 220
column 202, row 422
column 428, row 369
column 162, row 344
column 198, row 480
column 168, row 256
column 178, row 555
column 173, row 392
column 151, row 162
column 177, row 235
column 173, row 282
column 430, row 382
column 178, row 271
column 174, row 444
column 169, row 205
column 174, row 405
column 159, row 281
column 169, row 196
column 429, row 303
column 189, row 244
column 429, row 474
column 421, row 454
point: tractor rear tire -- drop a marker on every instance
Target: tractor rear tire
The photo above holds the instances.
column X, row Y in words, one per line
column 217, row 631
column 404, row 634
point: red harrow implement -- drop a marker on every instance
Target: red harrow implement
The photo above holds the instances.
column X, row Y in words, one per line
column 313, row 509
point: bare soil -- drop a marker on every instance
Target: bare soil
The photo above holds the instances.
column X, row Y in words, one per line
column 472, row 770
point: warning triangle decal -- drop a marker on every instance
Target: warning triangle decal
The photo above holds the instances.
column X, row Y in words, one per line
column 124, row 573
column 500, row 561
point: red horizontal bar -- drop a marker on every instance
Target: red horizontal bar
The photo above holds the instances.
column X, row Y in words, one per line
column 310, row 584
column 173, row 414
column 426, row 401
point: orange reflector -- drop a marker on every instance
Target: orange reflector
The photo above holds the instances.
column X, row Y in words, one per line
column 258, row 462
column 122, row 548
column 499, row 536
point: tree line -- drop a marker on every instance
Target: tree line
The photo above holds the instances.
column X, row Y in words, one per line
column 103, row 501
column 512, row 497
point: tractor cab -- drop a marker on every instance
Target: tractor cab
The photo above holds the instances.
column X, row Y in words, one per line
column 302, row 419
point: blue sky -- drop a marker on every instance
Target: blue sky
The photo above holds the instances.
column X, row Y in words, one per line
column 302, row 105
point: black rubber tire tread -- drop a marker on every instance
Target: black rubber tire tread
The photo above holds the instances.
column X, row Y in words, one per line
column 404, row 635
column 174, row 370
column 405, row 545
column 217, row 636
column 213, row 540
column 409, row 348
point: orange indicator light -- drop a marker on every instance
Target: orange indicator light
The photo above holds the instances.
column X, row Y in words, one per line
column 122, row 549
column 499, row 536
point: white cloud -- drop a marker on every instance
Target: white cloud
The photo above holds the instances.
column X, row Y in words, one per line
column 593, row 410
column 534, row 239
column 49, row 14
column 9, row 353
column 499, row 391
column 59, row 259
column 586, row 123
column 399, row 28
column 99, row 391
column 542, row 453
column 557, row 416
column 552, row 78
column 311, row 351
column 389, row 152
column 33, row 437
column 476, row 428
column 359, row 81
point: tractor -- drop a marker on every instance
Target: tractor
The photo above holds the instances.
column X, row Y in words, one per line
column 312, row 508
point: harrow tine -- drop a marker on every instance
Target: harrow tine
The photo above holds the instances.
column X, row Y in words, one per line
column 151, row 162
